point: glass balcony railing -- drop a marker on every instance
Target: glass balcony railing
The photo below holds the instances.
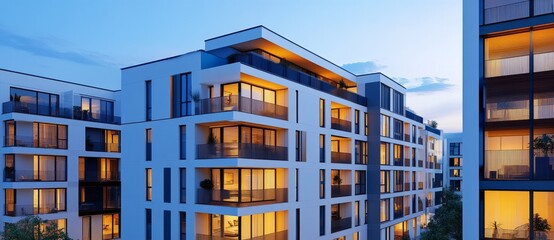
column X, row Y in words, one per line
column 242, row 198
column 506, row 66
column 543, row 61
column 543, row 6
column 102, row 146
column 544, row 108
column 341, row 224
column 30, row 141
column 276, row 235
column 341, row 124
column 54, row 111
column 30, row 209
column 98, row 176
column 341, row 157
column 507, row 110
column 342, row 190
column 500, row 11
column 506, row 164
column 11, row 175
column 241, row 150
column 296, row 75
column 242, row 104
column 99, row 206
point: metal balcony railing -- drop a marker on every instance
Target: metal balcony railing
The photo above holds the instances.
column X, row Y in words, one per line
column 30, row 141
column 242, row 198
column 341, row 224
column 11, row 175
column 242, row 104
column 342, row 190
column 56, row 111
column 276, row 235
column 341, row 124
column 98, row 176
column 341, row 157
column 30, row 209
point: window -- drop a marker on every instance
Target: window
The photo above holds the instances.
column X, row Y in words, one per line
column 361, row 152
column 94, row 109
column 183, row 225
column 181, row 95
column 111, row 226
column 298, row 223
column 360, row 185
column 148, row 100
column 385, row 181
column 296, row 106
column 148, row 224
column 44, row 135
column 385, row 97
column 300, row 146
column 321, row 220
column 398, row 207
column 357, row 213
column 398, row 129
column 455, row 148
column 455, row 172
column 398, row 181
column 366, row 124
column 167, row 185
column 183, row 185
column 322, row 112
column 385, row 206
column 35, row 168
column 253, row 185
column 365, row 212
column 33, row 102
column 102, row 140
column 149, row 144
column 398, row 101
column 321, row 183
column 183, row 142
column 385, row 153
column 357, row 121
column 148, row 184
column 455, row 162
column 322, row 148
column 385, row 125
column 167, row 225
column 297, row 184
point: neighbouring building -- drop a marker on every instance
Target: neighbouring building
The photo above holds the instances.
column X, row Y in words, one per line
column 61, row 154
column 508, row 108
column 453, row 161
column 257, row 137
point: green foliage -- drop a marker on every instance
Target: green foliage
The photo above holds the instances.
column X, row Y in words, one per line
column 540, row 224
column 544, row 143
column 446, row 224
column 211, row 138
column 337, row 180
column 33, row 228
column 342, row 84
column 433, row 123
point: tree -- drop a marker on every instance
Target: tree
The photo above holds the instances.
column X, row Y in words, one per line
column 33, row 228
column 432, row 123
column 447, row 222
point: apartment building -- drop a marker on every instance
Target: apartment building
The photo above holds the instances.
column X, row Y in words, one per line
column 256, row 137
column 508, row 116
column 453, row 161
column 61, row 154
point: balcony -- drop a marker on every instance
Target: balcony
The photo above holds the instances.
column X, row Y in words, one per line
column 99, row 176
column 29, row 141
column 47, row 110
column 342, row 190
column 341, row 224
column 242, row 198
column 341, row 124
column 407, row 137
column 507, row 110
column 99, row 199
column 95, row 207
column 506, row 164
column 16, row 210
column 295, row 75
column 276, row 235
column 341, row 157
column 11, row 175
column 242, row 104
column 102, row 147
column 241, row 150
column 498, row 11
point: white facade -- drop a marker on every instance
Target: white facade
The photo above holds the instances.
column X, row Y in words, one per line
column 260, row 143
column 44, row 144
column 453, row 161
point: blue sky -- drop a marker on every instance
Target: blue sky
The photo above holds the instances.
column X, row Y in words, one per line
column 418, row 43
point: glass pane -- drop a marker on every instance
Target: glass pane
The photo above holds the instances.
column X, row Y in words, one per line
column 543, row 214
column 506, row 214
column 257, row 136
column 231, row 185
column 245, row 184
column 269, row 137
column 507, row 55
column 245, row 227
column 231, row 226
column 257, row 93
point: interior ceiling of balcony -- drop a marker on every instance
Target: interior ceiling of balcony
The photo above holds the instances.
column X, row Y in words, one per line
column 260, row 82
column 236, row 123
column 291, row 57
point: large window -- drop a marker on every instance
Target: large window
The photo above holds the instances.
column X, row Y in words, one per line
column 257, row 226
column 110, row 229
column 182, row 95
column 508, row 209
column 398, row 103
column 39, row 135
column 398, row 129
column 385, row 181
column 385, row 125
column 95, row 109
column 148, row 184
column 455, row 148
column 385, row 210
column 183, row 142
column 102, row 140
column 245, row 185
column 33, row 102
column 506, row 155
column 34, row 168
column 182, row 185
column 148, row 103
column 385, row 97
column 385, row 153
column 360, row 184
column 361, row 152
column 322, row 112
